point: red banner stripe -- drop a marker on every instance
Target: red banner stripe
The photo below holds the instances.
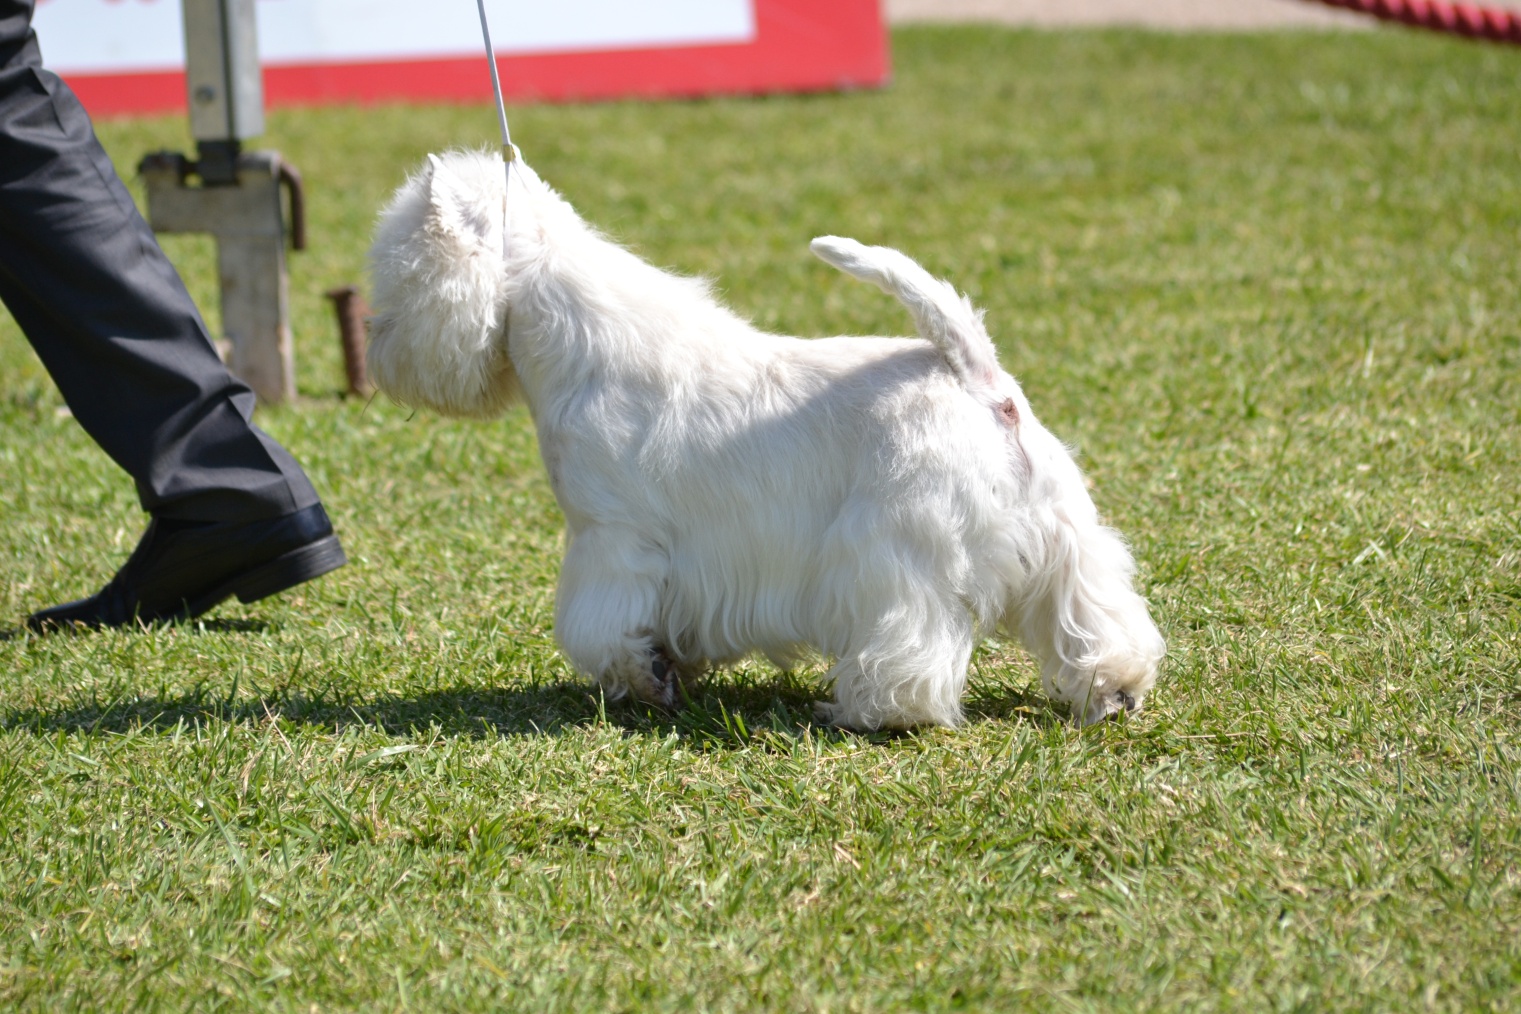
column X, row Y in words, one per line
column 800, row 45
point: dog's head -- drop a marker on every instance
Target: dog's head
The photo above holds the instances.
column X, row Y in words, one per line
column 439, row 334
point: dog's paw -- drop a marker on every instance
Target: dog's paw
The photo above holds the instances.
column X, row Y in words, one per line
column 1112, row 707
column 659, row 681
column 834, row 715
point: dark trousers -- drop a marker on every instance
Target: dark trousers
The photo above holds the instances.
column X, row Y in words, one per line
column 108, row 316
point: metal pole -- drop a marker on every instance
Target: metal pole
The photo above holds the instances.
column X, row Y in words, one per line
column 225, row 83
column 233, row 194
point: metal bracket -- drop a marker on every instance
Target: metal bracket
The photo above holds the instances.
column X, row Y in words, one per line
column 248, row 223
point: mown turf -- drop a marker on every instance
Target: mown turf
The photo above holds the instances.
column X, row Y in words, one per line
column 1267, row 284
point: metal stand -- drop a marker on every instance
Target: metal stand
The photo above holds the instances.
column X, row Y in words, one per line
column 246, row 218
column 232, row 194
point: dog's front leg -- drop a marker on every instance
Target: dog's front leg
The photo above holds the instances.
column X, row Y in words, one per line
column 910, row 667
column 607, row 610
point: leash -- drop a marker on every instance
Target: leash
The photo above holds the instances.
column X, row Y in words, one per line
column 510, row 153
column 509, row 150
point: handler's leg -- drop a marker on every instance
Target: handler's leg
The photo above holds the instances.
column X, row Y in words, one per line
column 87, row 282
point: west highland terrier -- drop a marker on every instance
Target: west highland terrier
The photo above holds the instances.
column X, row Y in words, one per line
column 885, row 502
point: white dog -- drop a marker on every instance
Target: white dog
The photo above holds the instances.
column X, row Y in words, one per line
column 883, row 501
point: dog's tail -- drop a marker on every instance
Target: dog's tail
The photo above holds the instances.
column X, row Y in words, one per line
column 945, row 319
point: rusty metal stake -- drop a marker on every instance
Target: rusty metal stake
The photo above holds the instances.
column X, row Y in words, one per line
column 352, row 311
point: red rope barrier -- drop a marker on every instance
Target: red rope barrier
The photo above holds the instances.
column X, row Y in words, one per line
column 1469, row 20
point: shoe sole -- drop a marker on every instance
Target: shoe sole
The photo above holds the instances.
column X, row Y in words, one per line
column 286, row 571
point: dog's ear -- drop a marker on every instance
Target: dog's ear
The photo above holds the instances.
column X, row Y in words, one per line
column 458, row 209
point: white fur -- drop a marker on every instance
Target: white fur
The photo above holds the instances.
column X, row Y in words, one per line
column 884, row 501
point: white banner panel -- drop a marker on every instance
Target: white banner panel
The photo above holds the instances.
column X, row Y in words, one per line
column 95, row 36
column 125, row 36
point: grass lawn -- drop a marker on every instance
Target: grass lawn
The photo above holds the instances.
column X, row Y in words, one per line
column 1268, row 284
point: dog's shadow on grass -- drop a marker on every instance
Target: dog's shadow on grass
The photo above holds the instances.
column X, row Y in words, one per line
column 732, row 710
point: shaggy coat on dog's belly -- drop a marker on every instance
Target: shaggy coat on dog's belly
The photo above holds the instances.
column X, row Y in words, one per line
column 885, row 502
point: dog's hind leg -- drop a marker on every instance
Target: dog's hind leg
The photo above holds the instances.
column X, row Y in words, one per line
column 606, row 611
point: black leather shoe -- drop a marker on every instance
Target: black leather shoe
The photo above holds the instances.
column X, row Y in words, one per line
column 180, row 569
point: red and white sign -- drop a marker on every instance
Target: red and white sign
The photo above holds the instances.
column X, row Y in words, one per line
column 127, row 56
